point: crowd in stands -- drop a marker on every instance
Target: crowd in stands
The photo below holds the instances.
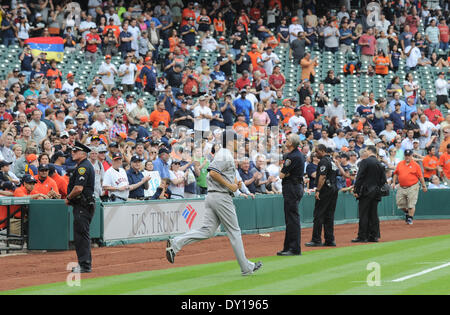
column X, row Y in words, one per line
column 43, row 112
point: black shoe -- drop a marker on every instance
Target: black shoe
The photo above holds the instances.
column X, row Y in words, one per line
column 359, row 240
column 80, row 269
column 288, row 253
column 257, row 266
column 170, row 253
column 331, row 244
column 373, row 239
column 313, row 244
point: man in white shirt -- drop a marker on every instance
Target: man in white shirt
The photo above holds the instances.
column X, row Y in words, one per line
column 389, row 131
column 382, row 24
column 129, row 103
column 209, row 43
column 115, row 180
column 335, row 109
column 270, row 59
column 412, row 55
column 442, row 87
column 86, row 26
column 296, row 121
column 112, row 14
column 135, row 31
column 101, row 123
column 127, row 72
column 407, row 143
column 426, row 130
column 202, row 116
column 107, row 71
column 294, row 29
column 326, row 141
column 93, row 97
column 70, row 84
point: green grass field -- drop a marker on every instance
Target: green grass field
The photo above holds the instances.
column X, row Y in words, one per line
column 325, row 271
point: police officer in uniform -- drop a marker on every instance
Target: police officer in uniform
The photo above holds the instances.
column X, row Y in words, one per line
column 370, row 178
column 80, row 195
column 326, row 199
column 292, row 183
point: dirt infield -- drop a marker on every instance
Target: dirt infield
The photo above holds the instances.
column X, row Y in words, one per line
column 41, row 268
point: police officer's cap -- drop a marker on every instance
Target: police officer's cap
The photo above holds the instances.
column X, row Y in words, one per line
column 80, row 147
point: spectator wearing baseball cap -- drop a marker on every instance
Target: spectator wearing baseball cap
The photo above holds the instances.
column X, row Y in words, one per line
column 108, row 71
column 136, row 179
column 25, row 190
column 46, row 185
column 70, row 85
column 161, row 163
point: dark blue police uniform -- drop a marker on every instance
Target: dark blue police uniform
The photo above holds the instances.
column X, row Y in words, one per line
column 83, row 208
column 325, row 207
column 292, row 183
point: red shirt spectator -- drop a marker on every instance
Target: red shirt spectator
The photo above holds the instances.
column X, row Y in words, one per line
column 308, row 112
column 434, row 115
column 242, row 82
column 277, row 80
column 92, row 47
column 371, row 41
column 443, row 31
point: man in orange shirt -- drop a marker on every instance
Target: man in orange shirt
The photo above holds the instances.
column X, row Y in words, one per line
column 26, row 190
column 254, row 55
column 287, row 110
column 240, row 126
column 61, row 181
column 158, row 115
column 430, row 164
column 408, row 173
column 45, row 185
column 444, row 164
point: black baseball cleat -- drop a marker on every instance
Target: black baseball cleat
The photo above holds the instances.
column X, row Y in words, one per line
column 359, row 240
column 330, row 244
column 258, row 266
column 313, row 244
column 170, row 253
column 288, row 253
column 79, row 269
column 373, row 239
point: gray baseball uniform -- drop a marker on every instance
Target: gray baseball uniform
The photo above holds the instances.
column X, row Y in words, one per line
column 219, row 210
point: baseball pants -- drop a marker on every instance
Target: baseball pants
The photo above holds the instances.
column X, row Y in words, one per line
column 219, row 210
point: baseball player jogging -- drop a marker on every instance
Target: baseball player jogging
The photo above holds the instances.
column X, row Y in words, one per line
column 219, row 207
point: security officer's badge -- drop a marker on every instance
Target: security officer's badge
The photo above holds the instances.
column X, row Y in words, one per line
column 323, row 168
column 82, row 171
column 287, row 163
column 333, row 166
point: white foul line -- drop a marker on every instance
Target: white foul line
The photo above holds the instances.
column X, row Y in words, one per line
column 421, row 273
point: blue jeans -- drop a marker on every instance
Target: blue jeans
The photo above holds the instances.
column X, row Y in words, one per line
column 443, row 46
column 432, row 47
column 8, row 41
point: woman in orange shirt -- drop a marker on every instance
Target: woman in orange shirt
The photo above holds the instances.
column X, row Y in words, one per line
column 174, row 40
column 219, row 25
column 381, row 62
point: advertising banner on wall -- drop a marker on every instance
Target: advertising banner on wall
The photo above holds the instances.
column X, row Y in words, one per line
column 133, row 221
